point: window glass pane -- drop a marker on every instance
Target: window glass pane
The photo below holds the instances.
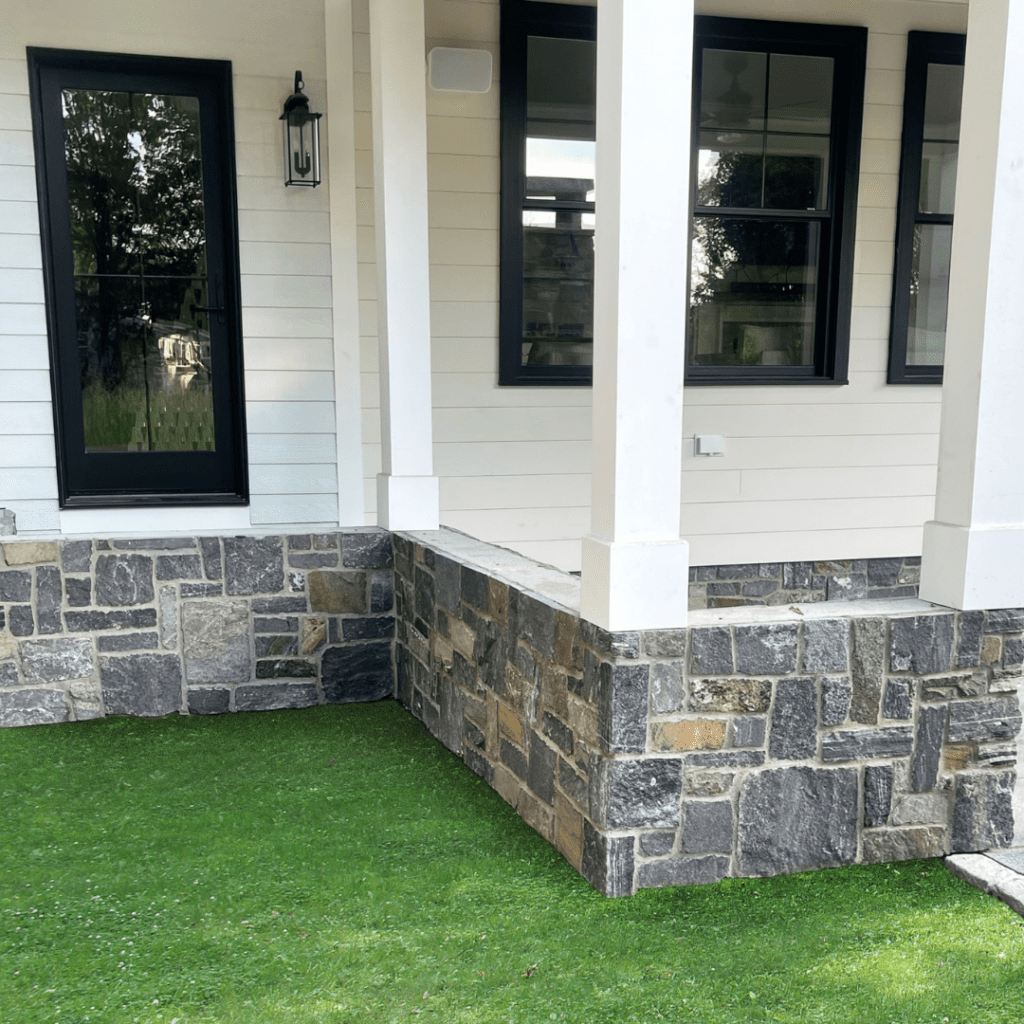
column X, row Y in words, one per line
column 753, row 292
column 800, row 94
column 730, row 169
column 938, row 177
column 139, row 249
column 942, row 102
column 558, row 288
column 733, row 89
column 796, row 172
column 561, row 83
column 929, row 294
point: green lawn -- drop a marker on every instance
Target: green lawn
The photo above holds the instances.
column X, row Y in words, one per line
column 338, row 865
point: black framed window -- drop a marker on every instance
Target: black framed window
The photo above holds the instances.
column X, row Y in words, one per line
column 777, row 112
column 548, row 86
column 924, row 225
column 136, row 182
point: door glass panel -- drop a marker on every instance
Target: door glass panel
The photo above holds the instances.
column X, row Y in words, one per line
column 753, row 292
column 796, row 172
column 733, row 86
column 938, row 177
column 943, row 90
column 929, row 294
column 139, row 248
column 558, row 288
column 800, row 94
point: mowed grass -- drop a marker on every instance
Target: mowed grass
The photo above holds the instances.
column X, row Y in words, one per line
column 338, row 865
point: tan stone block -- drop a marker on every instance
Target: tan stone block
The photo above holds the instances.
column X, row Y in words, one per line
column 743, row 695
column 443, row 653
column 336, row 592
column 8, row 645
column 506, row 785
column 582, row 719
column 991, row 650
column 419, row 646
column 694, row 734
column 517, row 686
column 314, row 634
column 568, row 831
column 462, row 637
column 499, row 600
column 833, row 566
column 1006, row 680
column 957, row 756
column 476, row 711
column 536, row 814
column 887, row 845
column 567, row 629
column 30, row 553
column 555, row 689
column 511, row 725
column 726, row 602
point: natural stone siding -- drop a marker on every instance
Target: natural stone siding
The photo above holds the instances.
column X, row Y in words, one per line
column 196, row 625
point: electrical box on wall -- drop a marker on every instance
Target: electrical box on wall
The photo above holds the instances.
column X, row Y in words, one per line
column 458, row 70
column 708, row 444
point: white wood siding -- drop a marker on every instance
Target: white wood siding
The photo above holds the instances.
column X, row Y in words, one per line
column 284, row 252
column 813, row 472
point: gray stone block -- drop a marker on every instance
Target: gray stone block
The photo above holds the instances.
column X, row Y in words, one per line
column 424, row 596
column 216, row 641
column 989, row 718
column 179, row 567
column 622, row 707
column 378, row 628
column 253, row 565
column 90, row 621
column 357, row 672
column 573, row 784
column 1013, row 651
column 451, row 705
column 797, row 575
column 475, row 589
column 473, row 734
column 682, row 871
column 50, row 661
column 32, row 707
column 983, row 811
column 276, row 625
column 275, row 696
column 723, row 589
column 328, row 541
column 212, row 562
column 629, row 794
column 708, row 827
column 793, row 819
column 48, row 598
column 656, row 844
column 768, row 648
column 899, row 700
column 664, row 643
column 155, row 544
column 144, row 685
column 22, row 622
column 711, row 651
column 884, row 846
column 299, row 542
column 279, row 605
column 370, row 550
column 124, row 580
column 489, row 653
column 168, row 599
column 794, row 732
column 607, row 861
column 190, row 590
column 514, row 759
column 127, row 642
column 730, row 695
column 533, row 621
column 760, row 588
column 8, row 674
column 884, row 572
column 922, row 643
column 744, row 571
column 826, row 645
column 862, row 744
column 558, row 731
column 76, row 555
column 847, row 587
column 15, row 586
column 748, row 731
column 877, row 794
column 382, row 591
column 314, row 560
column 1004, row 620
column 476, row 762
column 931, row 724
column 208, row 700
column 79, row 591
column 449, row 584
column 836, row 693
column 726, row 759
column 867, row 669
column 541, row 772
column 968, row 647
column 668, row 692
column 273, row 645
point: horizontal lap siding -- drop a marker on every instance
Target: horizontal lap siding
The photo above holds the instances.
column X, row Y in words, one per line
column 284, row 254
column 815, row 472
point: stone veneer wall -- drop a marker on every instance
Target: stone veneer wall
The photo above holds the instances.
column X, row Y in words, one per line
column 200, row 625
column 827, row 736
column 771, row 583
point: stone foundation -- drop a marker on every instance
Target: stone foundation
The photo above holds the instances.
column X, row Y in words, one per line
column 198, row 625
column 755, row 742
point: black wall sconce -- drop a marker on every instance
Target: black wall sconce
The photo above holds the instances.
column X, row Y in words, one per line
column 301, row 139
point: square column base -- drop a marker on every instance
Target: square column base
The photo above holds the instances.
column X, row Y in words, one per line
column 408, row 502
column 973, row 567
column 635, row 586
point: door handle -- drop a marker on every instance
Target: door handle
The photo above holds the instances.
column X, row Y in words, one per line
column 206, row 309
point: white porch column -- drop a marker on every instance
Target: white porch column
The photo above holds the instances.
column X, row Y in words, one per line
column 635, row 566
column 407, row 490
column 974, row 549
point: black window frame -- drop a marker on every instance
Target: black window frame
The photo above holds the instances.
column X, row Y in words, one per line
column 923, row 48
column 519, row 20
column 158, row 478
column 847, row 45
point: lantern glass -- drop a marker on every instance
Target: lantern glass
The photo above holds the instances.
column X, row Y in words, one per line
column 302, row 147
